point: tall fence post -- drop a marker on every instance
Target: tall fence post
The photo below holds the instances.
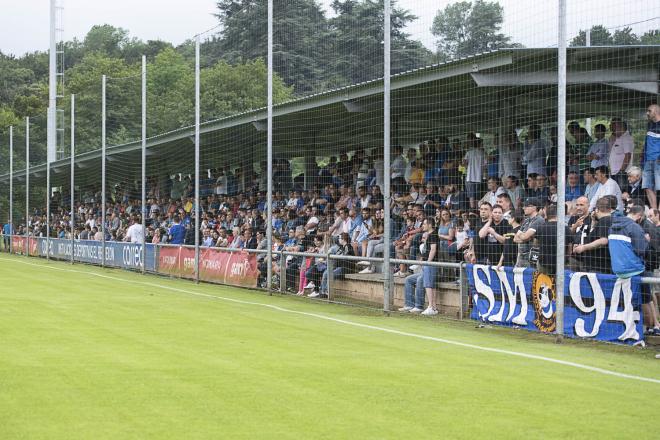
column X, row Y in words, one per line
column 197, row 118
column 73, row 176
column 143, row 252
column 561, row 167
column 462, row 289
column 103, row 135
column 27, row 185
column 387, row 272
column 48, row 204
column 269, row 196
column 330, row 267
column 11, row 188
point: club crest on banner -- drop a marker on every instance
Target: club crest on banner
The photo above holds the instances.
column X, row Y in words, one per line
column 543, row 300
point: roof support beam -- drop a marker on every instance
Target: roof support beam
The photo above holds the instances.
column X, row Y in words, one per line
column 515, row 79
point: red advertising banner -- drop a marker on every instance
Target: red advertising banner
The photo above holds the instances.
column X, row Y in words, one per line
column 235, row 268
column 168, row 261
column 187, row 262
column 18, row 245
column 212, row 265
column 242, row 270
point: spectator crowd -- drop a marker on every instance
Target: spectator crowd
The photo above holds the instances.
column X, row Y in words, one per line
column 452, row 201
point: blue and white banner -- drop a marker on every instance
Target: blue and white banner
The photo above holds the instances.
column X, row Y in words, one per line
column 117, row 254
column 602, row 307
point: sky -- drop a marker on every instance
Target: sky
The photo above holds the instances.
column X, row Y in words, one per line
column 24, row 25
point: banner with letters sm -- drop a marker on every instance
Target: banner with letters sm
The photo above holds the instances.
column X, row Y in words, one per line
column 597, row 306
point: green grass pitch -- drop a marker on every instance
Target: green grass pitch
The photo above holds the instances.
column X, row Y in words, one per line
column 135, row 357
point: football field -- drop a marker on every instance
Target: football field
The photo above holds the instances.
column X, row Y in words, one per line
column 92, row 353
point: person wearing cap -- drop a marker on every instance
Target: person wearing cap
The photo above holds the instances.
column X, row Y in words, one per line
column 527, row 232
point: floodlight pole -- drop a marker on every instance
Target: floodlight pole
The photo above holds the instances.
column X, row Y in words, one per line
column 27, row 185
column 11, row 188
column 103, row 140
column 269, row 206
column 561, row 167
column 51, row 135
column 387, row 273
column 144, row 164
column 197, row 118
column 73, row 178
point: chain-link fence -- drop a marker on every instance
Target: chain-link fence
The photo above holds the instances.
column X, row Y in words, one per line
column 492, row 160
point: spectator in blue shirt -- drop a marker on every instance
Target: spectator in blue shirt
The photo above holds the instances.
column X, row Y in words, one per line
column 177, row 233
column 573, row 187
column 7, row 232
column 651, row 178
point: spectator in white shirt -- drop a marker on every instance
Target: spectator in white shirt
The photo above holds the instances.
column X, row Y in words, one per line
column 494, row 190
column 608, row 187
column 364, row 199
column 510, row 156
column 621, row 149
column 135, row 234
column 398, row 169
column 475, row 161
column 598, row 151
column 536, row 150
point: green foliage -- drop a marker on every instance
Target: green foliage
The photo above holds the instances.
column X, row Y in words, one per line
column 84, row 80
column 601, row 36
column 8, row 118
column 108, row 40
column 468, row 28
column 650, row 37
column 170, row 92
column 358, row 33
column 248, row 92
column 106, row 50
column 313, row 53
column 300, row 46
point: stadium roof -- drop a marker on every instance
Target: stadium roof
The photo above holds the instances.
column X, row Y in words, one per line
column 484, row 93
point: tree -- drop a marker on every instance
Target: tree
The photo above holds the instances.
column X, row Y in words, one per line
column 170, row 92
column 300, row 40
column 84, row 80
column 132, row 52
column 625, row 36
column 13, row 77
column 107, row 39
column 358, row 33
column 600, row 36
column 466, row 28
column 650, row 37
column 231, row 89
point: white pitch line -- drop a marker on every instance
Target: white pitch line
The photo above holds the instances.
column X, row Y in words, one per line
column 357, row 324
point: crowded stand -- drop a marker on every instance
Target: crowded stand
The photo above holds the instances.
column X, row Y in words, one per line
column 453, row 200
